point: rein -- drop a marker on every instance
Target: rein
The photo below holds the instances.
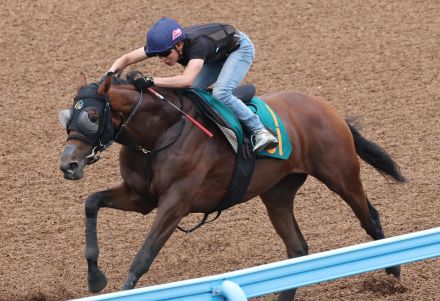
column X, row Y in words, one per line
column 123, row 126
column 151, row 152
column 182, row 125
column 130, row 115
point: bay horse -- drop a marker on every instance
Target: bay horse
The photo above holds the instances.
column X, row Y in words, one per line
column 172, row 166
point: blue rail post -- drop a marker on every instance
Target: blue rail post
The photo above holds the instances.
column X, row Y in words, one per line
column 230, row 291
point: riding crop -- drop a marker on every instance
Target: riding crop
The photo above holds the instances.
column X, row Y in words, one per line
column 205, row 130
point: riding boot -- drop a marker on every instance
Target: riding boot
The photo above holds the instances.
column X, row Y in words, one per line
column 263, row 139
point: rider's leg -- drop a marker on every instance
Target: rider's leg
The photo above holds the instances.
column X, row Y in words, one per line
column 208, row 75
column 233, row 72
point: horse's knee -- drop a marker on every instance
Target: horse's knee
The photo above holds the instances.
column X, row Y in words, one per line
column 94, row 202
column 92, row 205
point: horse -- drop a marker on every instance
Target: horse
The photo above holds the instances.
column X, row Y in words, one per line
column 169, row 164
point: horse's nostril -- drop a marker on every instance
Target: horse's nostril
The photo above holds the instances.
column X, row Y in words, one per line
column 72, row 167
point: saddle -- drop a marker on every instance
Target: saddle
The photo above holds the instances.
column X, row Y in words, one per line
column 239, row 139
column 230, row 126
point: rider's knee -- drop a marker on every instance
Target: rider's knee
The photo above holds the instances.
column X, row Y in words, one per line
column 222, row 94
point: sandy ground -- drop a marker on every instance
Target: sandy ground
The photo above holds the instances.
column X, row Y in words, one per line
column 374, row 59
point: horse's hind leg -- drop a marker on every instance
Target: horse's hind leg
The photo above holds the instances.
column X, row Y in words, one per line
column 279, row 204
column 121, row 198
column 348, row 185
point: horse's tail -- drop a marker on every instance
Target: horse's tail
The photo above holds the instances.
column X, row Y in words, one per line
column 375, row 155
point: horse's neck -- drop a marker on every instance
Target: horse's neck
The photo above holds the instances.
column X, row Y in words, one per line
column 122, row 98
column 152, row 119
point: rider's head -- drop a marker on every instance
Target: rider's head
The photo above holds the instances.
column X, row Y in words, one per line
column 163, row 37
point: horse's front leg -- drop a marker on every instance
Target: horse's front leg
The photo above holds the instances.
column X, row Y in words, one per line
column 171, row 210
column 121, row 197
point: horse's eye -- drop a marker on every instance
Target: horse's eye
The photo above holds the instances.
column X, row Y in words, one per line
column 94, row 119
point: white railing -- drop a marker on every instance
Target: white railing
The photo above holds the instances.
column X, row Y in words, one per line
column 274, row 277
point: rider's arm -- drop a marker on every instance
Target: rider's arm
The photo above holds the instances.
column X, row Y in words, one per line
column 184, row 80
column 133, row 57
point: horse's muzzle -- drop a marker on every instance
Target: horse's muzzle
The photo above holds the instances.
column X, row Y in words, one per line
column 72, row 162
column 72, row 170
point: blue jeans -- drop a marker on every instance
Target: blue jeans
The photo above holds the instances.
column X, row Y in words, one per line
column 227, row 75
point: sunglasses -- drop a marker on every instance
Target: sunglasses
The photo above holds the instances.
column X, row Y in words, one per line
column 166, row 53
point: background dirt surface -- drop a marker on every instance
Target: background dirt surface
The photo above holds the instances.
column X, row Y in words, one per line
column 375, row 59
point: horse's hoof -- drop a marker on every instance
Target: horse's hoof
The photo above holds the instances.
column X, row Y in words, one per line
column 287, row 295
column 97, row 281
column 128, row 285
column 395, row 270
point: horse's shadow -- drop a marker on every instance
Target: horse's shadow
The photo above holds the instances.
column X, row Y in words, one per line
column 383, row 286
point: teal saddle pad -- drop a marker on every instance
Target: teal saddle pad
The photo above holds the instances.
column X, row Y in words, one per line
column 233, row 130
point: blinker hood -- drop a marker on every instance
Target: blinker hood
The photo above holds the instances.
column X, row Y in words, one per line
column 99, row 134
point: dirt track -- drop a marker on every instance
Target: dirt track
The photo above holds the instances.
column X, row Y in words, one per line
column 374, row 59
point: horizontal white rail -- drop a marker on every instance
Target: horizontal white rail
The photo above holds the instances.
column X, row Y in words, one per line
column 274, row 277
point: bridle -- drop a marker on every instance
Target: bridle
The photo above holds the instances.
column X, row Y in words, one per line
column 94, row 156
column 104, row 136
column 99, row 136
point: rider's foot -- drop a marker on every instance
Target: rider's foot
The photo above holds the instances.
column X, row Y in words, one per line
column 263, row 139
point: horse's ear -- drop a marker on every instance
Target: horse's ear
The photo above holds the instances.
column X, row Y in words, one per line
column 105, row 85
column 64, row 116
column 82, row 82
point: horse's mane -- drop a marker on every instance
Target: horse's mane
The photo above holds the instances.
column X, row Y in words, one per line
column 129, row 78
column 133, row 75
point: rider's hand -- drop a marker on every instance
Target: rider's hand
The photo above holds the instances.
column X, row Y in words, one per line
column 143, row 83
column 111, row 74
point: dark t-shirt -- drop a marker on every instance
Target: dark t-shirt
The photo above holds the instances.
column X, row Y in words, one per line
column 197, row 44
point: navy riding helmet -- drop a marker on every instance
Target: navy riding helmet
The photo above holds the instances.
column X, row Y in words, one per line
column 162, row 36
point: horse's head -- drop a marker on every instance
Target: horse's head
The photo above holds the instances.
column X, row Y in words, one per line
column 89, row 127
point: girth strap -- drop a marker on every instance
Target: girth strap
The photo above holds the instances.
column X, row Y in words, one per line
column 241, row 177
column 243, row 170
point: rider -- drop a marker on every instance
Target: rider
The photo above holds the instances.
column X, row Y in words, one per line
column 211, row 53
